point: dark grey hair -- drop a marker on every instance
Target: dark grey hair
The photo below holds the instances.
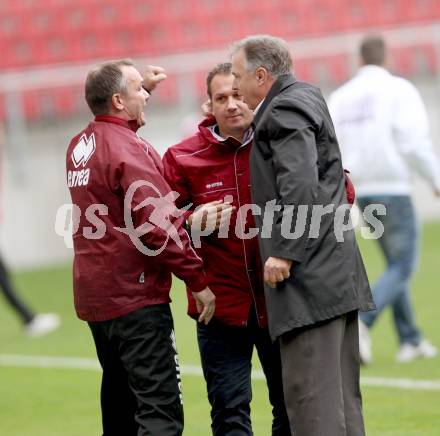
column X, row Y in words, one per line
column 103, row 82
column 265, row 51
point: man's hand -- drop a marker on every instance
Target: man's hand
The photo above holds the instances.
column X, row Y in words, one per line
column 276, row 270
column 205, row 301
column 437, row 192
column 210, row 215
column 153, row 76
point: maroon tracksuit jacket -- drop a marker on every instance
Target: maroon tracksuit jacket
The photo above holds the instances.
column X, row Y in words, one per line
column 203, row 169
column 111, row 276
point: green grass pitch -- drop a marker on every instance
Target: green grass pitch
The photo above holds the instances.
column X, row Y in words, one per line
column 65, row 402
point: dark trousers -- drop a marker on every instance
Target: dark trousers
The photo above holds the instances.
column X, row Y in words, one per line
column 321, row 378
column 140, row 391
column 226, row 354
column 11, row 296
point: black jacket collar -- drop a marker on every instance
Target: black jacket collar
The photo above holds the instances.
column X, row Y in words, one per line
column 280, row 84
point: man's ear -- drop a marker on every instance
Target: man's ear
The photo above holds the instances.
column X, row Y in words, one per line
column 117, row 102
column 262, row 75
column 207, row 108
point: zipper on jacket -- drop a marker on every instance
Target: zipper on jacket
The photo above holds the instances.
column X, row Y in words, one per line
column 242, row 230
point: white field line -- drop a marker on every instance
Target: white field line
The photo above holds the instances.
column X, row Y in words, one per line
column 52, row 362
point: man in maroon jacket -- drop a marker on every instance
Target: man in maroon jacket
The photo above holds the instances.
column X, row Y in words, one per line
column 210, row 170
column 128, row 240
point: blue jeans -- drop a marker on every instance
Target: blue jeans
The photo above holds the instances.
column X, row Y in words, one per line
column 226, row 354
column 399, row 245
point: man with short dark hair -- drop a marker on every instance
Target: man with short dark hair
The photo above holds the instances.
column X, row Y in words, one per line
column 123, row 262
column 210, row 170
column 383, row 129
column 372, row 50
column 315, row 283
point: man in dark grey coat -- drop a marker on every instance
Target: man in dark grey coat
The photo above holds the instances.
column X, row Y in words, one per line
column 314, row 274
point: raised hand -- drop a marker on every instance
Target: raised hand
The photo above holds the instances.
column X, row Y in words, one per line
column 153, row 76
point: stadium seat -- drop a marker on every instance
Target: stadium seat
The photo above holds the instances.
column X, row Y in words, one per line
column 44, row 32
column 64, row 101
column 416, row 10
column 291, row 24
column 358, row 14
column 418, row 59
column 18, row 52
column 394, row 12
column 167, row 93
column 31, row 105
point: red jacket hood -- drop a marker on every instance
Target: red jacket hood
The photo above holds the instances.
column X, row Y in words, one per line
column 206, row 134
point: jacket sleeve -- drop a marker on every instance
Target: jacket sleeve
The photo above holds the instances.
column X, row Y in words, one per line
column 411, row 133
column 153, row 208
column 178, row 181
column 294, row 157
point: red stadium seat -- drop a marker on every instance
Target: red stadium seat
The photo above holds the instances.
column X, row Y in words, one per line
column 417, row 10
column 303, row 70
column 31, row 105
column 167, row 93
column 64, row 101
column 323, row 70
column 41, row 32
column 418, row 59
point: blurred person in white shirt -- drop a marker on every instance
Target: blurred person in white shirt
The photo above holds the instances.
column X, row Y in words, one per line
column 383, row 131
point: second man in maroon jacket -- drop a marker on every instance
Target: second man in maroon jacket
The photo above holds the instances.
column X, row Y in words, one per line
column 210, row 170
